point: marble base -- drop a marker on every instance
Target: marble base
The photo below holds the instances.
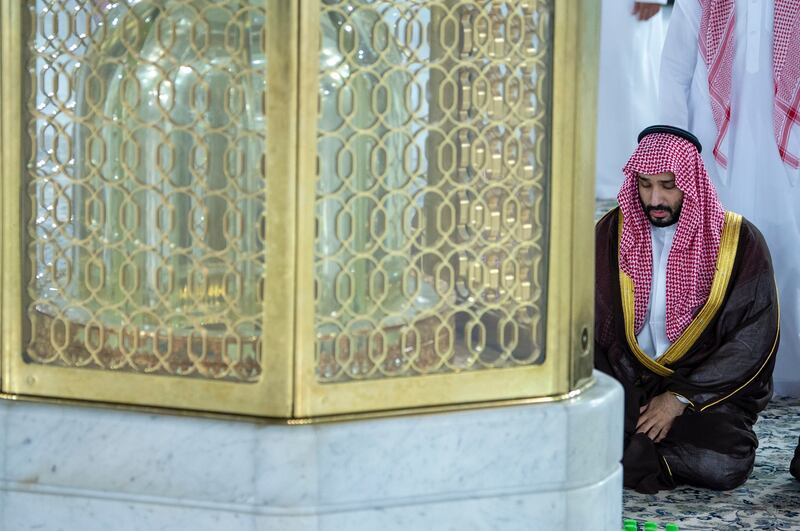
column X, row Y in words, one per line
column 546, row 466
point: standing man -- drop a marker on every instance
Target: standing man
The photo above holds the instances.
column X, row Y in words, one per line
column 631, row 37
column 686, row 319
column 730, row 72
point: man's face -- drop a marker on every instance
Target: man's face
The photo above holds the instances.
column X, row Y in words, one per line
column 661, row 199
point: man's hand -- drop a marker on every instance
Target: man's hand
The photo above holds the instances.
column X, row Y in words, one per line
column 655, row 418
column 645, row 10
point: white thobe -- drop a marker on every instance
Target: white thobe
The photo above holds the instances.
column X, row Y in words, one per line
column 628, row 86
column 756, row 183
column 652, row 338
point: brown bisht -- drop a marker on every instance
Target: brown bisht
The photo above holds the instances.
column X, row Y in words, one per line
column 722, row 363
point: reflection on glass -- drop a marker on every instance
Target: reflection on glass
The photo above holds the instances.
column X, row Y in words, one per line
column 432, row 182
column 147, row 238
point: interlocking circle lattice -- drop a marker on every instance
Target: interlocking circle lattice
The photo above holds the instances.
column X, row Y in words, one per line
column 432, row 189
column 145, row 186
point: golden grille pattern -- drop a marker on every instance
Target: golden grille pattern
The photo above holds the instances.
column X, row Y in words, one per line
column 431, row 194
column 145, row 186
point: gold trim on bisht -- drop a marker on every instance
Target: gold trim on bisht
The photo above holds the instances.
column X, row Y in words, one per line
column 669, row 470
column 729, row 243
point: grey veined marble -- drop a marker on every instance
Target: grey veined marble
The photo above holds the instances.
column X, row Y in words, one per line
column 544, row 466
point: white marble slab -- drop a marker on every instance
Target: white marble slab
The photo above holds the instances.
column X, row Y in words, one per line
column 594, row 507
column 522, row 467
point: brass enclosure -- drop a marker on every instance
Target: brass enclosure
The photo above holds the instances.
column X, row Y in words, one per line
column 374, row 196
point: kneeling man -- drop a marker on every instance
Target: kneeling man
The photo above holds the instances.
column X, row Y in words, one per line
column 686, row 320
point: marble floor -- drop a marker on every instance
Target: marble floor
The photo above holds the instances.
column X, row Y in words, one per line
column 769, row 500
column 601, row 206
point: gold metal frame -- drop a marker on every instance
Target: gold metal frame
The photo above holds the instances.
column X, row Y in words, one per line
column 272, row 394
column 288, row 386
column 570, row 311
column 579, row 84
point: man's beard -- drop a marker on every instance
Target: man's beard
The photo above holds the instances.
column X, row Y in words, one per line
column 672, row 219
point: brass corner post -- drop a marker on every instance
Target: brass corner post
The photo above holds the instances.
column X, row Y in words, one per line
column 575, row 102
column 11, row 133
column 307, row 95
column 588, row 47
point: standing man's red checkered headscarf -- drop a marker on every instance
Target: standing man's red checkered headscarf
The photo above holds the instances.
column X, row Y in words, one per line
column 717, row 45
column 693, row 257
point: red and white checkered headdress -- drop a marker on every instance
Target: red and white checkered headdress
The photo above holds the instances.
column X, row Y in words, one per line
column 693, row 257
column 717, row 46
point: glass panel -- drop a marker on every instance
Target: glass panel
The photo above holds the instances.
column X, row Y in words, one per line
column 431, row 203
column 145, row 186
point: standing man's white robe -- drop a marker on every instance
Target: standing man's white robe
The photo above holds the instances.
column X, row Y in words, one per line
column 628, row 86
column 756, row 183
